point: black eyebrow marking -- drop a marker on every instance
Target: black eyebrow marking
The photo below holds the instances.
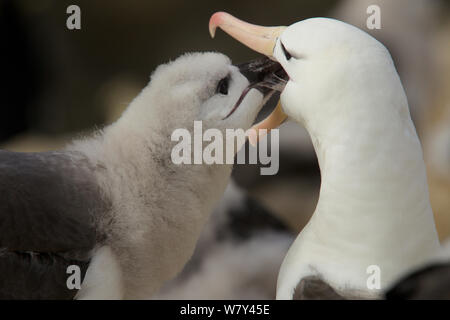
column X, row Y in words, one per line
column 286, row 53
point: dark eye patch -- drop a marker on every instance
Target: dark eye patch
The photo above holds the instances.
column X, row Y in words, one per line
column 286, row 53
column 222, row 86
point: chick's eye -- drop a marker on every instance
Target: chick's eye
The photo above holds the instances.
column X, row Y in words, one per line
column 222, row 86
column 286, row 53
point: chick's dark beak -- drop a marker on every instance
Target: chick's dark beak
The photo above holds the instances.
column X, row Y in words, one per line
column 264, row 74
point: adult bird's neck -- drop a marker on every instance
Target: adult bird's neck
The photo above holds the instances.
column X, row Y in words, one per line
column 374, row 204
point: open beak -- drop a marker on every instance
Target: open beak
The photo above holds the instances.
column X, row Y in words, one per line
column 257, row 38
column 265, row 75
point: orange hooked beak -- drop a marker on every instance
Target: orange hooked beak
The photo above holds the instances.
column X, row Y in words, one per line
column 260, row 39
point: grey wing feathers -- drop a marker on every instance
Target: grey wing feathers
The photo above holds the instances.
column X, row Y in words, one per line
column 27, row 275
column 429, row 283
column 314, row 288
column 48, row 207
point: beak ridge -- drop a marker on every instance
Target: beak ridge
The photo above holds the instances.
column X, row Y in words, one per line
column 258, row 38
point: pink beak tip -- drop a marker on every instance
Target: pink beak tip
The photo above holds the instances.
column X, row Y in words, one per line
column 215, row 21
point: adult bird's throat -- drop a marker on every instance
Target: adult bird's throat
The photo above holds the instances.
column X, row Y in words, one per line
column 373, row 208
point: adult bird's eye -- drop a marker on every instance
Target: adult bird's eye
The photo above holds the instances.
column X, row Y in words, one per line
column 222, row 87
column 286, row 53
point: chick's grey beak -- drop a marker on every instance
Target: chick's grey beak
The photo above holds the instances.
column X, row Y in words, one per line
column 264, row 74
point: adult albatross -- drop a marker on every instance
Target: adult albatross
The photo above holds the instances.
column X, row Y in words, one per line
column 373, row 211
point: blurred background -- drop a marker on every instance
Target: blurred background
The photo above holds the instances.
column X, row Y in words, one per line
column 61, row 83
